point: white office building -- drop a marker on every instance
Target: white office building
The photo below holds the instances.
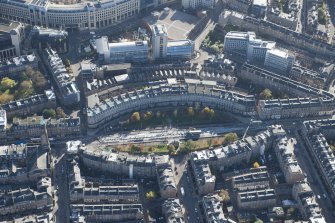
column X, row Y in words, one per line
column 3, row 120
column 257, row 49
column 196, row 4
column 159, row 41
column 162, row 47
column 237, row 41
column 278, row 60
column 180, row 49
column 130, row 52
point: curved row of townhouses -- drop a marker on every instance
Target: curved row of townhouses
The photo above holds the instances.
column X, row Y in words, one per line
column 167, row 95
column 84, row 15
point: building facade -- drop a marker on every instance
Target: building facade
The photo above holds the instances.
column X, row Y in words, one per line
column 11, row 36
column 82, row 16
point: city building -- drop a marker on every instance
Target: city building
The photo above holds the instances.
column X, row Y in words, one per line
column 307, row 204
column 278, row 60
column 245, row 45
column 290, row 167
column 309, row 77
column 82, row 15
column 24, row 199
column 288, row 20
column 238, row 5
column 162, row 47
column 196, row 4
column 173, row 211
column 270, row 29
column 3, row 120
column 42, row 38
column 168, row 92
column 131, row 52
column 213, row 209
column 251, row 181
column 165, row 177
column 256, row 199
column 106, row 212
column 205, row 180
column 159, row 40
column 46, row 217
column 29, row 106
column 258, row 8
column 118, row 163
column 33, row 126
column 15, row 66
column 11, row 37
column 88, row 70
column 67, row 89
column 23, row 164
column 180, row 49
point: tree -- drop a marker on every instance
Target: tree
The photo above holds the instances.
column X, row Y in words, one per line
column 49, row 113
column 208, row 113
column 171, row 148
column 190, row 111
column 67, row 63
column 4, row 98
column 7, row 84
column 39, row 81
column 60, row 113
column 265, row 94
column 150, row 195
column 158, row 114
column 147, row 115
column 230, row 137
column 224, row 195
column 25, row 89
column 135, row 117
column 188, row 146
column 256, row 165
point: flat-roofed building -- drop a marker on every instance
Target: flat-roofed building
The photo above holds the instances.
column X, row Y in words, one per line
column 256, row 199
column 279, row 60
column 180, row 49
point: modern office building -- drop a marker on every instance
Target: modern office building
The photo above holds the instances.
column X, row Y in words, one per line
column 180, row 49
column 129, row 52
column 258, row 48
column 11, row 36
column 159, row 41
column 82, row 15
column 279, row 60
column 237, row 42
column 132, row 52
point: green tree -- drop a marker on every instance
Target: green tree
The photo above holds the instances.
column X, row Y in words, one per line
column 265, row 94
column 158, row 114
column 7, row 84
column 25, row 90
column 60, row 113
column 147, row 115
column 150, row 195
column 224, row 195
column 4, row 98
column 49, row 113
column 190, row 111
column 208, row 113
column 135, row 117
column 256, row 165
column 230, row 137
column 171, row 148
column 189, row 145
